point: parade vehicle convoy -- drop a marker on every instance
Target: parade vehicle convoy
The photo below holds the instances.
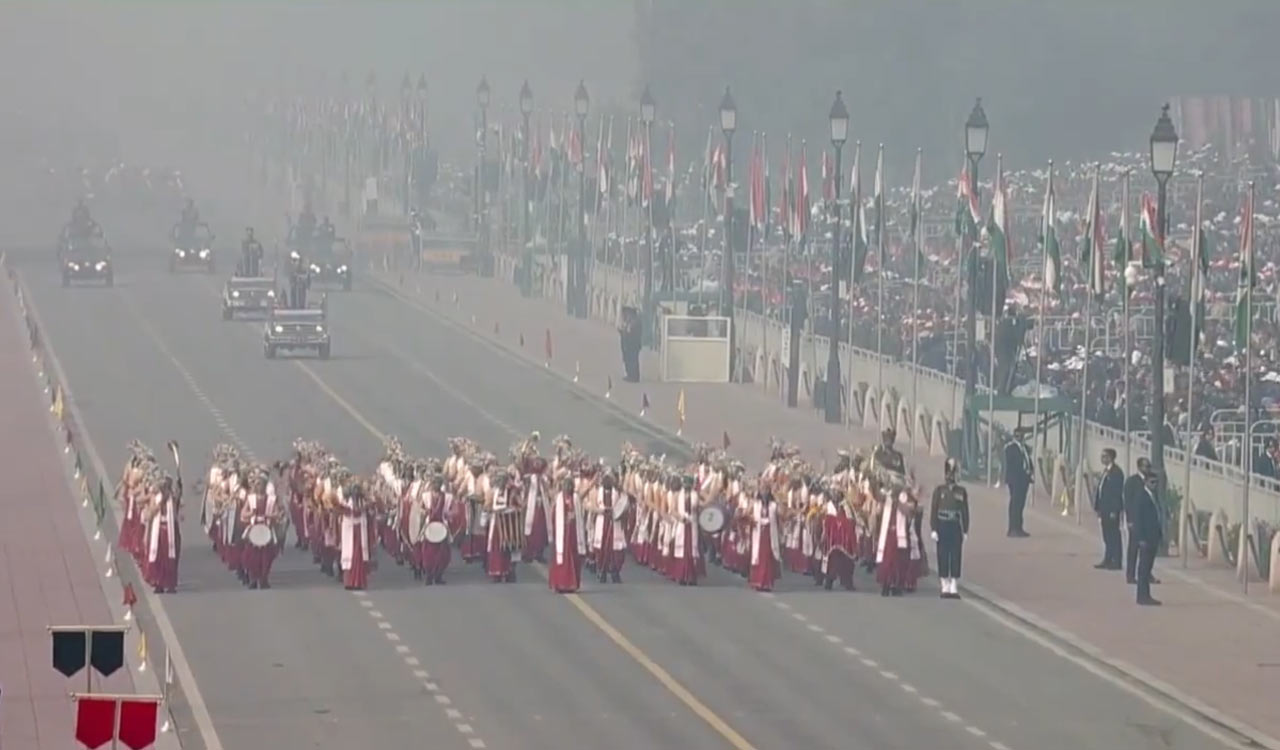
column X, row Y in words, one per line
column 87, row 260
column 331, row 265
column 192, row 251
column 248, row 295
column 303, row 329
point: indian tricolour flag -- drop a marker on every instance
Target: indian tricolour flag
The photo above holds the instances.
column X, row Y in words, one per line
column 1049, row 240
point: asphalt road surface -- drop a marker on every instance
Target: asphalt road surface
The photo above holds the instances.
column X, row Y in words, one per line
column 643, row 665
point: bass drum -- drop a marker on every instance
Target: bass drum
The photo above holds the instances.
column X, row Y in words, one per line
column 712, row 519
column 259, row 535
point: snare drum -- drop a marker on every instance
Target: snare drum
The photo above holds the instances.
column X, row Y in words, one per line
column 259, row 535
column 435, row 532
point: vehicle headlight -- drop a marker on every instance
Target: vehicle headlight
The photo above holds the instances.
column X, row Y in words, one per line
column 315, row 268
column 235, row 293
column 204, row 253
column 279, row 329
column 74, row 266
column 293, row 254
column 181, row 253
column 342, row 269
column 319, row 329
column 100, row 265
column 271, row 293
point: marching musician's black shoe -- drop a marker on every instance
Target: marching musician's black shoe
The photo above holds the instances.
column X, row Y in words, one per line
column 265, row 585
column 884, row 591
column 829, row 584
column 439, row 579
column 603, row 577
column 895, row 591
column 511, row 577
column 253, row 584
column 616, row 577
column 157, row 590
column 427, row 582
column 817, row 580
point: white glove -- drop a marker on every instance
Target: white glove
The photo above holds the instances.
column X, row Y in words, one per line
column 933, row 535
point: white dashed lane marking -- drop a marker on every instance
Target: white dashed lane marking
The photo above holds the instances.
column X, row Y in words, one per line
column 949, row 716
column 421, row 675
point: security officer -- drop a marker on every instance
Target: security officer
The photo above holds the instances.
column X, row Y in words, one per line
column 949, row 520
column 251, row 255
column 1108, row 503
column 1134, row 487
column 1018, row 477
column 1147, row 528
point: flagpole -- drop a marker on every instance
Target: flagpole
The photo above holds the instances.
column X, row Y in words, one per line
column 1095, row 248
column 1247, row 278
column 1124, row 315
column 855, row 219
column 879, row 188
column 918, row 241
column 1188, row 448
column 1044, row 295
column 955, row 335
column 706, row 216
column 991, row 377
column 763, row 378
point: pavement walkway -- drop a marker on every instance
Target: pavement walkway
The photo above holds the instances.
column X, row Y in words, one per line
column 1209, row 646
column 48, row 575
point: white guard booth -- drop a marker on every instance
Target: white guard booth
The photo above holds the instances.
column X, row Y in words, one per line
column 695, row 349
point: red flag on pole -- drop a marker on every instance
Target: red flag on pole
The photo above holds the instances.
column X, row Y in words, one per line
column 95, row 721
column 138, row 723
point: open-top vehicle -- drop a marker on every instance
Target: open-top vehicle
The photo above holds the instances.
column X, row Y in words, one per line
column 330, row 263
column 87, row 259
column 248, row 295
column 192, row 249
column 293, row 330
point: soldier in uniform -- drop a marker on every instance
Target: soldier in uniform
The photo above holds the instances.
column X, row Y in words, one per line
column 949, row 520
column 888, row 457
column 250, row 254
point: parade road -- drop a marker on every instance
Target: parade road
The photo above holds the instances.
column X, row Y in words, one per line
column 645, row 664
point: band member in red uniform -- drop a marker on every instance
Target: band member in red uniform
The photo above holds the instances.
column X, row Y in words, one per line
column 261, row 508
column 533, row 474
column 567, row 542
column 434, row 556
column 610, row 539
column 355, row 537
column 685, row 565
column 896, row 548
column 499, row 564
column 839, row 541
column 766, row 547
column 164, row 540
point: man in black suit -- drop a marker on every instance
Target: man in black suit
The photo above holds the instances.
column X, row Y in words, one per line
column 1018, row 477
column 1108, row 503
column 1148, row 528
column 1134, row 487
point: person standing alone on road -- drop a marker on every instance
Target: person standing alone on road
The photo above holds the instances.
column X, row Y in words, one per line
column 949, row 521
column 629, row 336
column 1134, row 487
column 1108, row 503
column 1146, row 526
column 1018, row 477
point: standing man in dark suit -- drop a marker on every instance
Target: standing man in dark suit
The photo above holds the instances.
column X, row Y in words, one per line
column 1134, row 486
column 1018, row 477
column 1147, row 526
column 1108, row 503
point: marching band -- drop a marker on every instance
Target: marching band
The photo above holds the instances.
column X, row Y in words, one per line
column 565, row 510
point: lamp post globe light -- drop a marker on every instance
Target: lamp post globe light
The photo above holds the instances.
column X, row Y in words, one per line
column 976, row 131
column 648, row 110
column 834, row 390
column 728, row 124
column 1164, row 154
column 576, row 298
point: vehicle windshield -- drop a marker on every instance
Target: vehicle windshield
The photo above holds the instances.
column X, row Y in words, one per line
column 85, row 250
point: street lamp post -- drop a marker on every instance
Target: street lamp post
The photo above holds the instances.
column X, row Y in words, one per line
column 834, row 390
column 648, row 108
column 526, row 109
column 578, row 304
column 729, row 123
column 482, row 198
column 1164, row 153
column 976, row 130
